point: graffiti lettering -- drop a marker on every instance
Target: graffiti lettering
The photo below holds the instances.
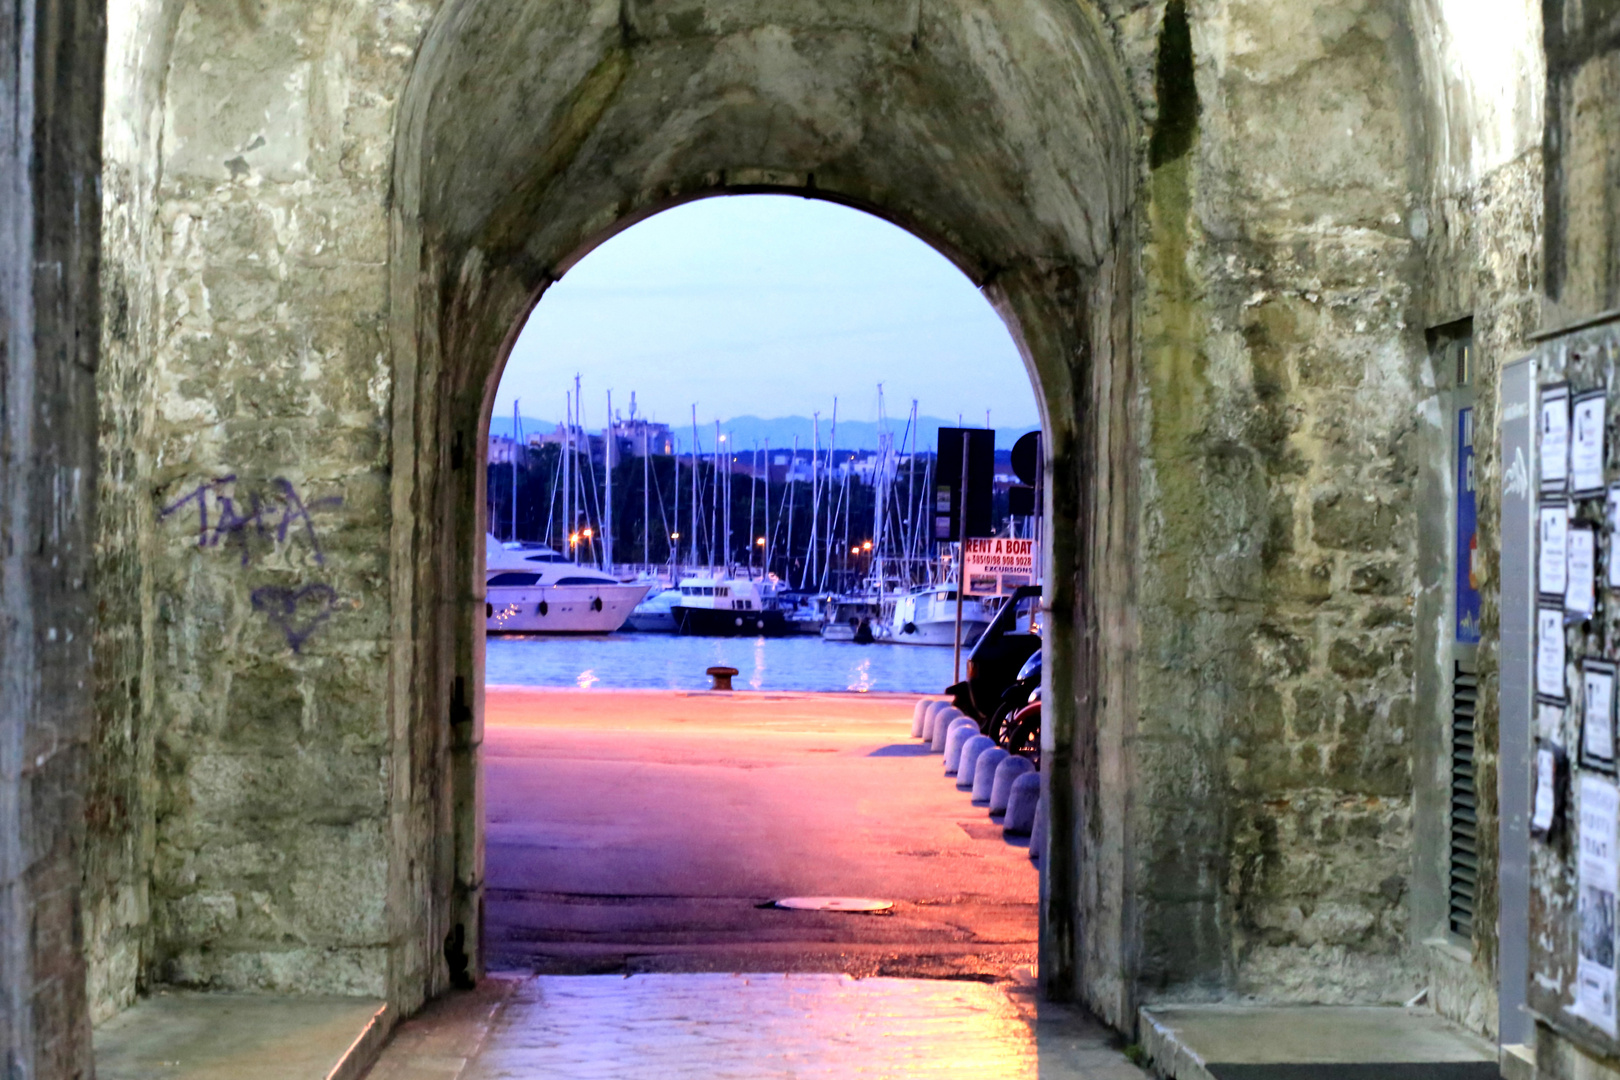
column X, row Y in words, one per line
column 297, row 613
column 239, row 518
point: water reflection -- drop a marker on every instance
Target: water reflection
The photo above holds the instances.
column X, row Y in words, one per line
column 669, row 662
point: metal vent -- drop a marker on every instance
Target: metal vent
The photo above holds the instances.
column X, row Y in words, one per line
column 1464, row 862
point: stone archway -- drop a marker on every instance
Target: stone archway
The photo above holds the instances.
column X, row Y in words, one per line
column 999, row 134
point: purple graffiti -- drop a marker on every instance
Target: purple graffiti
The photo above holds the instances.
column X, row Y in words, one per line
column 238, row 517
column 297, row 613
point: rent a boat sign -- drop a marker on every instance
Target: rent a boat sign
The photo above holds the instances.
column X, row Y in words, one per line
column 997, row 565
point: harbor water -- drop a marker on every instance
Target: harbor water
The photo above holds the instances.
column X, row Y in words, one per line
column 627, row 661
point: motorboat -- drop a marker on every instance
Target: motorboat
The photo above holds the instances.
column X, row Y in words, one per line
column 653, row 615
column 720, row 606
column 531, row 589
column 854, row 619
column 928, row 617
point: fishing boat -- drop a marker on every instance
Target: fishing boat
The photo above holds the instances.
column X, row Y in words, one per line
column 531, row 589
column 927, row 616
column 719, row 606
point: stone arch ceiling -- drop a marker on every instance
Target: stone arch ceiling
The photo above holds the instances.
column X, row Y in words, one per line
column 986, row 128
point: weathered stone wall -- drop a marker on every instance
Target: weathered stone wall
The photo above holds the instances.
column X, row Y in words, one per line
column 1478, row 222
column 50, row 118
column 121, row 784
column 1279, row 383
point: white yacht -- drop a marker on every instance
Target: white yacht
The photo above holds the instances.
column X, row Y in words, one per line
column 928, row 617
column 531, row 589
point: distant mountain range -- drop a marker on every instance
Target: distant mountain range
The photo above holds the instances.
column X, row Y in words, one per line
column 745, row 431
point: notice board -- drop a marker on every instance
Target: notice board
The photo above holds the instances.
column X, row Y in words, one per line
column 1573, row 478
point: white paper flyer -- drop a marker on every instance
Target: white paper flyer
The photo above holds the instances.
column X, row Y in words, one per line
column 1586, row 444
column 1597, row 877
column 1553, row 567
column 1554, row 443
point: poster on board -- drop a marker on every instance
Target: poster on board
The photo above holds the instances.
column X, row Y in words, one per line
column 1598, row 876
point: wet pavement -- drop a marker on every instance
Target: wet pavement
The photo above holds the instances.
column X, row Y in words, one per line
column 759, row 1027
column 644, row 834
column 643, row 831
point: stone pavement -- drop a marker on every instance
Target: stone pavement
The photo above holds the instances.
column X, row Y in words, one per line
column 758, row 1027
column 181, row 1035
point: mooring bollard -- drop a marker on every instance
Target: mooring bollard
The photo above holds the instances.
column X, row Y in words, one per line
column 967, row 762
column 1006, row 773
column 984, row 774
column 722, row 677
column 918, row 712
column 942, row 727
column 1026, row 792
column 961, row 730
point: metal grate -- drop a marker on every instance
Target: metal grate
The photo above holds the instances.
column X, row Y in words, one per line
column 1464, row 862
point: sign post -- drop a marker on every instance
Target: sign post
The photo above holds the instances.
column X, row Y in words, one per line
column 961, row 567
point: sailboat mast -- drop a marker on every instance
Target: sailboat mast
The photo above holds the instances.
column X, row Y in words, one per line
column 514, row 466
column 696, row 558
column 646, row 497
column 911, row 495
column 793, row 464
column 769, row 539
column 879, row 496
column 608, row 444
column 832, row 504
column 568, row 473
column 809, row 573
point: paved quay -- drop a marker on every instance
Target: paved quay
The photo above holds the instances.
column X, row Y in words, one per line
column 749, row 1027
column 638, row 831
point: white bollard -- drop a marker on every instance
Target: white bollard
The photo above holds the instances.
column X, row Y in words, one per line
column 1026, row 792
column 960, row 732
column 968, row 759
column 931, row 717
column 1006, row 773
column 917, row 716
column 984, row 774
column 942, row 727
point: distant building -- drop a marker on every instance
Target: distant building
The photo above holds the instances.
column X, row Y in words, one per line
column 634, row 434
column 503, row 448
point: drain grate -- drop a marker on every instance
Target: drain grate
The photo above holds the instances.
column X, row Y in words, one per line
column 856, row 904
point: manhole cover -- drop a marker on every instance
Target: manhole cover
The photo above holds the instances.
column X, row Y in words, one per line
column 833, row 903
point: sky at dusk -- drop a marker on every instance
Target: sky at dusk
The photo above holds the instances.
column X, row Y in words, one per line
column 767, row 306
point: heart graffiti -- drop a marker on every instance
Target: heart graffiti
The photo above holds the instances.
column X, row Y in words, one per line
column 297, row 613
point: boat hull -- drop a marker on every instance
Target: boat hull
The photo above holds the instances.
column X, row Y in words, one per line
column 937, row 633
column 560, row 609
column 711, row 622
column 651, row 622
